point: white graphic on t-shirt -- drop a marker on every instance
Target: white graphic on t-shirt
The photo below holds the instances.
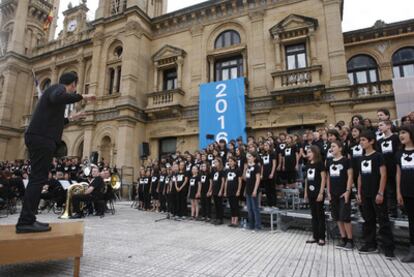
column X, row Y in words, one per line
column 311, row 188
column 180, row 178
column 379, row 135
column 146, row 181
column 154, row 179
column 203, row 178
column 213, row 163
column 311, row 174
column 162, row 179
column 188, row 167
column 222, row 153
column 307, row 147
column 231, row 176
column 282, row 146
column 238, row 163
column 192, row 182
column 366, row 167
column 174, row 178
column 167, row 180
column 329, row 154
column 407, row 161
column 227, row 166
column 249, row 171
column 335, row 170
column 216, row 176
column 266, row 159
column 386, row 146
column 288, row 151
column 210, row 157
column 357, row 151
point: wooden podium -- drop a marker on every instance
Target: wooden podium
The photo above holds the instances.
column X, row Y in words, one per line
column 64, row 241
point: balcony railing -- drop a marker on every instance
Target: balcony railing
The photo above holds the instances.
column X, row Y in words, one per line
column 165, row 102
column 372, row 89
column 295, row 78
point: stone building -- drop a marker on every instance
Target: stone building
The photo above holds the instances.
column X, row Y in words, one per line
column 146, row 65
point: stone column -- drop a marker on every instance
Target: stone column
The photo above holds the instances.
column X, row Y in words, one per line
column 6, row 103
column 115, row 88
column 87, row 139
column 125, row 141
column 180, row 63
column 55, row 73
column 278, row 61
column 3, row 148
column 17, row 43
column 313, row 48
column 96, row 63
column 155, row 88
column 245, row 68
column 211, row 64
column 81, row 75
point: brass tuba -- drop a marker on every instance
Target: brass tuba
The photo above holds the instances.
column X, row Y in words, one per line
column 115, row 181
column 78, row 188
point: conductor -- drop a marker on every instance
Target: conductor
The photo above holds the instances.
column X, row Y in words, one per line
column 41, row 138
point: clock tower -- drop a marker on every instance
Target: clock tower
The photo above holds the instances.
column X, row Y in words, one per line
column 75, row 19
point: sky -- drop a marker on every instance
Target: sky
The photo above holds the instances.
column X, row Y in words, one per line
column 358, row 14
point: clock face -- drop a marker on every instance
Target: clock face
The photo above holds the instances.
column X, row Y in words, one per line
column 72, row 25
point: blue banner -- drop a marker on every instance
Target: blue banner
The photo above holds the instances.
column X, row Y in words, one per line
column 222, row 111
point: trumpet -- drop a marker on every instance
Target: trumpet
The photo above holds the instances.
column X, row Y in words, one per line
column 74, row 189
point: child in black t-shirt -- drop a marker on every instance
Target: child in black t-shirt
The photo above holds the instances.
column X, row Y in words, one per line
column 153, row 189
column 195, row 190
column 232, row 188
column 339, row 183
column 217, row 190
column 141, row 185
column 388, row 145
column 181, row 187
column 206, row 187
column 371, row 189
column 290, row 162
column 147, row 188
column 405, row 182
column 268, row 173
column 161, row 189
column 315, row 178
column 355, row 152
column 252, row 177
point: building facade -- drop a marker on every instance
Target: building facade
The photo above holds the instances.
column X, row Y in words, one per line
column 146, row 66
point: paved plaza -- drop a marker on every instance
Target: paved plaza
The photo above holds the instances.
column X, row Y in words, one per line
column 131, row 243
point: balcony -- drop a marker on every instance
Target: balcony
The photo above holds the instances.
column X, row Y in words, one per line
column 302, row 83
column 165, row 103
column 379, row 89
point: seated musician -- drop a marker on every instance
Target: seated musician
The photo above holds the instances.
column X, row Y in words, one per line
column 53, row 190
column 93, row 193
column 106, row 175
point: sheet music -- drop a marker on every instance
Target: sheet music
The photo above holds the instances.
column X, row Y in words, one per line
column 65, row 184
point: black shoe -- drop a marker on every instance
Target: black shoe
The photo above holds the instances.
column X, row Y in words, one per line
column 311, row 241
column 219, row 222
column 42, row 223
column 32, row 228
column 367, row 250
column 76, row 216
column 342, row 244
column 389, row 254
column 410, row 256
column 349, row 246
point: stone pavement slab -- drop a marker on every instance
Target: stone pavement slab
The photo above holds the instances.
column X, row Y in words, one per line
column 131, row 243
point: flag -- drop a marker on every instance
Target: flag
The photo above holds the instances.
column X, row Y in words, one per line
column 48, row 21
column 37, row 85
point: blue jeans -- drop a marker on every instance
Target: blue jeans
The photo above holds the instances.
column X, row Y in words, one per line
column 254, row 212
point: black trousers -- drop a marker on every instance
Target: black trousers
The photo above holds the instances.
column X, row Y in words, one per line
column 391, row 192
column 218, row 204
column 78, row 198
column 205, row 206
column 147, row 200
column 269, row 186
column 172, row 203
column 163, row 202
column 373, row 213
column 182, row 203
column 318, row 219
column 41, row 151
column 409, row 207
column 234, row 206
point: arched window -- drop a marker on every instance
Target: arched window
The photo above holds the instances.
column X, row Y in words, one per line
column 106, row 149
column 114, row 68
column 45, row 84
column 403, row 62
column 227, row 38
column 362, row 69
